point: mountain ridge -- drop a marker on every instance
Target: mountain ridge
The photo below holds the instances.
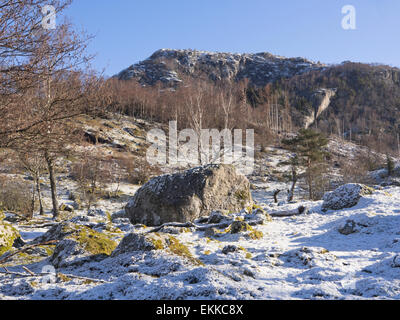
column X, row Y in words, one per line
column 169, row 66
column 355, row 100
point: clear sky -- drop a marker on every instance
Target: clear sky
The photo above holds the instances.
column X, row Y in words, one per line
column 128, row 31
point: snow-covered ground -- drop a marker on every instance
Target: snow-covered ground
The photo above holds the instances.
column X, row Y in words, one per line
column 299, row 257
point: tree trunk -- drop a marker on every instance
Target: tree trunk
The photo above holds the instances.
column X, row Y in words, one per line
column 294, row 181
column 39, row 191
column 309, row 182
column 53, row 185
column 32, row 204
column 309, row 179
column 276, row 192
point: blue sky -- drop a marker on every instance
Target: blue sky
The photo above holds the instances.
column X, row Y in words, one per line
column 128, row 31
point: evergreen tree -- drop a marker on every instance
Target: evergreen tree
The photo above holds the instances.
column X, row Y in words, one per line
column 308, row 146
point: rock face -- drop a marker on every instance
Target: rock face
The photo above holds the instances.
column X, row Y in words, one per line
column 186, row 196
column 321, row 100
column 346, row 196
column 168, row 66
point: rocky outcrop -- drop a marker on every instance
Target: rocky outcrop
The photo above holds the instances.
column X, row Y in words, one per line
column 171, row 66
column 8, row 235
column 321, row 100
column 150, row 242
column 346, row 196
column 77, row 244
column 186, row 196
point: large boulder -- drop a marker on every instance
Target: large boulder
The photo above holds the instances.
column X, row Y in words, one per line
column 346, row 196
column 186, row 196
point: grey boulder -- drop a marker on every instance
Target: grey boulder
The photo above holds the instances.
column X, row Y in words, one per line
column 346, row 196
column 186, row 196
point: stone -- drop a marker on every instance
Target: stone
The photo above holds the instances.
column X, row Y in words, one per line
column 211, row 232
column 12, row 218
column 229, row 249
column 184, row 197
column 67, row 208
column 396, row 262
column 346, row 196
column 79, row 219
column 77, row 205
column 140, row 242
column 239, row 226
column 118, row 215
column 96, row 212
column 348, row 228
column 216, row 217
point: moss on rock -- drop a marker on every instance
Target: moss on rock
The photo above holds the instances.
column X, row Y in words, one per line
column 240, row 226
column 255, row 235
column 77, row 243
column 91, row 241
column 8, row 234
column 141, row 242
column 155, row 241
column 178, row 248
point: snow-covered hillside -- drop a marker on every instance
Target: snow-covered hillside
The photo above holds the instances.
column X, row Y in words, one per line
column 299, row 257
column 252, row 254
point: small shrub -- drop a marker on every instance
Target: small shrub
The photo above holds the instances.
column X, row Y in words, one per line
column 16, row 196
column 256, row 235
column 140, row 171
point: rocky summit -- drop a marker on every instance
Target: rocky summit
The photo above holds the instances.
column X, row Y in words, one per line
column 171, row 67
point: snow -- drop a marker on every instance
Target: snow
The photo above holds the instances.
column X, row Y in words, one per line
column 225, row 65
column 300, row 257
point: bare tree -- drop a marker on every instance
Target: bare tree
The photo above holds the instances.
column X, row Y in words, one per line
column 33, row 162
column 46, row 82
column 21, row 36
